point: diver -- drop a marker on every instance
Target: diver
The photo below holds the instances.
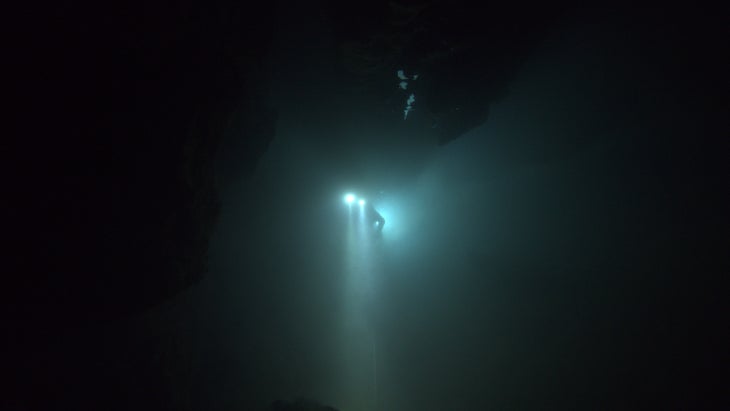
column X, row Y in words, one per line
column 373, row 217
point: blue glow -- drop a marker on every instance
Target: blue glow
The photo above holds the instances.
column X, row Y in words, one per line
column 361, row 202
column 349, row 198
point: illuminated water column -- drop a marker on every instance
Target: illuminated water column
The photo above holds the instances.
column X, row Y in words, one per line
column 358, row 365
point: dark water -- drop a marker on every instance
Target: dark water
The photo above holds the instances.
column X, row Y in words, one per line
column 555, row 257
column 569, row 253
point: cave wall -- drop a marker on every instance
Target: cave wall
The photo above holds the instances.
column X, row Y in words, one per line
column 112, row 189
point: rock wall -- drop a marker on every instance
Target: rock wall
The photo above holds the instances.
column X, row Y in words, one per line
column 112, row 193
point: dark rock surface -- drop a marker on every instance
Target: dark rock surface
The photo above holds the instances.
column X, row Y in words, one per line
column 113, row 191
column 464, row 52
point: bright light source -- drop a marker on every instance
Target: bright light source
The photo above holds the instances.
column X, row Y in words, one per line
column 349, row 198
column 361, row 202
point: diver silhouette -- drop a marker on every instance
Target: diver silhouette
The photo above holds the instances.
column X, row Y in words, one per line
column 373, row 217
